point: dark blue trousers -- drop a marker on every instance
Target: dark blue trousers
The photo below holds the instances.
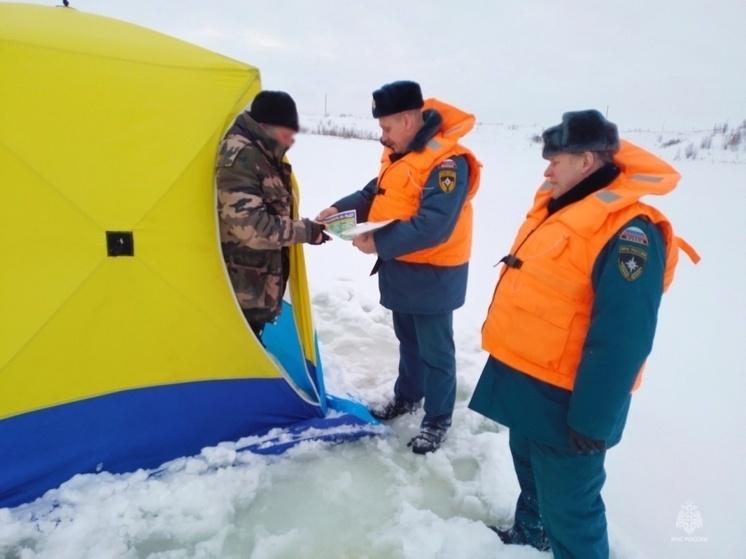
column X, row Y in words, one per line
column 560, row 496
column 427, row 363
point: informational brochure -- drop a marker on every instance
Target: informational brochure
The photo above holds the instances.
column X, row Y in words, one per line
column 345, row 226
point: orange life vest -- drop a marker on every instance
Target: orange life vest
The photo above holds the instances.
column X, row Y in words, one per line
column 541, row 310
column 401, row 186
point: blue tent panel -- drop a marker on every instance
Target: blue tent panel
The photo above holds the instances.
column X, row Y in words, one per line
column 281, row 340
column 134, row 429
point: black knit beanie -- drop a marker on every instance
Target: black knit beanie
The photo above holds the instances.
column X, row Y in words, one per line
column 276, row 108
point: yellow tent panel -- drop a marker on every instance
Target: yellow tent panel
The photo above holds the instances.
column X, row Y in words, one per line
column 121, row 341
column 84, row 159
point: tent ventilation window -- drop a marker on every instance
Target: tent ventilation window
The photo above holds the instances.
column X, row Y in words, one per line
column 120, row 243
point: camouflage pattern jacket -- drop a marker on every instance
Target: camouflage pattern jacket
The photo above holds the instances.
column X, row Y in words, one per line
column 255, row 204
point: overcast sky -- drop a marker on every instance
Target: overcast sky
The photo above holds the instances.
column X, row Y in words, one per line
column 653, row 63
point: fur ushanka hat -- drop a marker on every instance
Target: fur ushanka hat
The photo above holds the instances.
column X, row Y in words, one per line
column 397, row 97
column 581, row 131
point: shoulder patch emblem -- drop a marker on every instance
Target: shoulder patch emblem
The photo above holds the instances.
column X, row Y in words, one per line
column 634, row 235
column 447, row 181
column 447, row 164
column 631, row 261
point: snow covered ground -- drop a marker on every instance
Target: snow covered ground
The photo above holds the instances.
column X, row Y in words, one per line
column 374, row 498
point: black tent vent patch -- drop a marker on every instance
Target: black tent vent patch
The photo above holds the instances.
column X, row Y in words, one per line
column 120, row 243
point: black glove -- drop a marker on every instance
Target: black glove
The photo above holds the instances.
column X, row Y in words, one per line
column 315, row 229
column 580, row 444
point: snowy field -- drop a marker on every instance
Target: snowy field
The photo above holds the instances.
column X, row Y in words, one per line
column 374, row 498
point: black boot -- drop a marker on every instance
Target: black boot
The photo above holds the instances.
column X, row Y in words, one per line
column 394, row 408
column 512, row 536
column 430, row 437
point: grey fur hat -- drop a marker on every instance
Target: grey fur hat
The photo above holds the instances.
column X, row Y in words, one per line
column 581, row 131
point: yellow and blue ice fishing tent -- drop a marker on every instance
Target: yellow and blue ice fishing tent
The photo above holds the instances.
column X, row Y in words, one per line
column 121, row 343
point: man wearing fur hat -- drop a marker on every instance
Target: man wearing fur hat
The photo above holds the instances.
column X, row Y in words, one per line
column 425, row 184
column 571, row 324
column 256, row 206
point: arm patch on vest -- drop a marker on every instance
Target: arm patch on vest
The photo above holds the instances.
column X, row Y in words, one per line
column 447, row 180
column 634, row 235
column 631, row 261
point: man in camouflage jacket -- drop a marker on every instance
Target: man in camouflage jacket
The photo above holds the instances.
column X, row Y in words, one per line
column 255, row 205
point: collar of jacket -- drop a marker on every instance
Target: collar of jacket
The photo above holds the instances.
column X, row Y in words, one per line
column 601, row 178
column 642, row 173
column 253, row 131
column 432, row 125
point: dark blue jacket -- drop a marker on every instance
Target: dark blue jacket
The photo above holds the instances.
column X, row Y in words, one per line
column 620, row 338
column 418, row 288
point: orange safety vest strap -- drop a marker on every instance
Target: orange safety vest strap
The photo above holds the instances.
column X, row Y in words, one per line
column 689, row 250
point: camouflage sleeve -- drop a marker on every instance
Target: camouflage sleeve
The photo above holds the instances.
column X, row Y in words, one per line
column 242, row 207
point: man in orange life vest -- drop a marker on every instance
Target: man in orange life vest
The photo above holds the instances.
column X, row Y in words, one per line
column 425, row 184
column 570, row 326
